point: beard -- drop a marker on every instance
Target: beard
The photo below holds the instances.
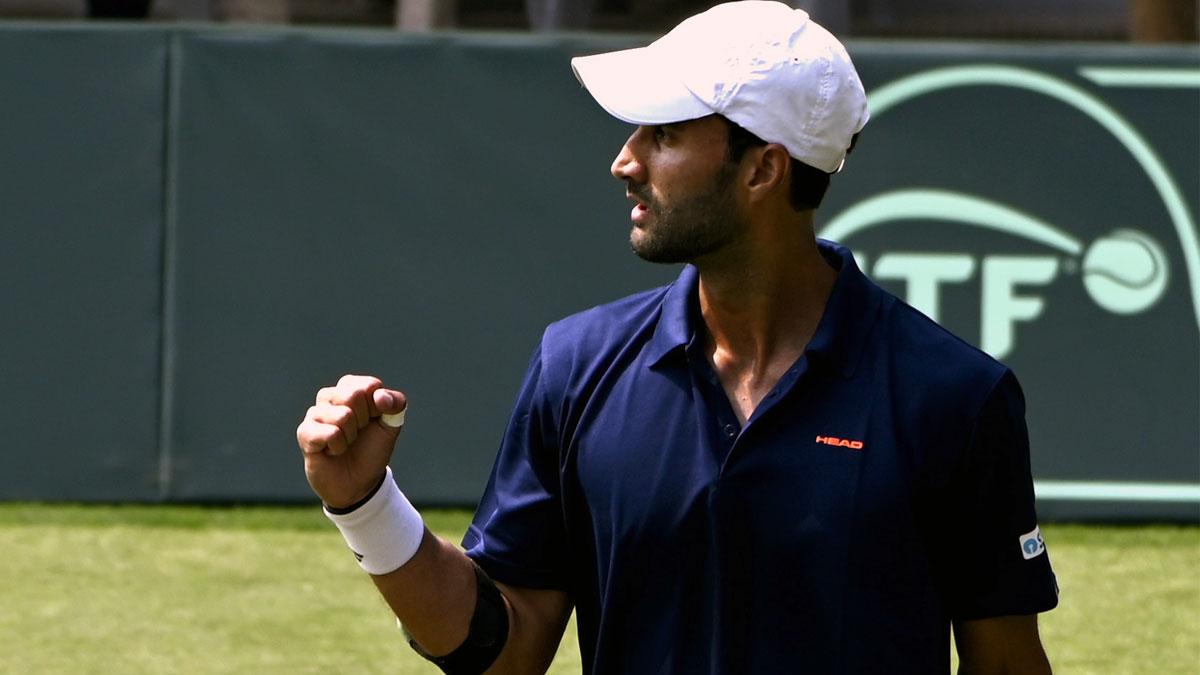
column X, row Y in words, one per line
column 694, row 227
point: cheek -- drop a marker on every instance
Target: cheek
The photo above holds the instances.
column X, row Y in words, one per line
column 671, row 182
column 682, row 176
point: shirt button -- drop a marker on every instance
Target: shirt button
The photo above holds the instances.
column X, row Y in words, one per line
column 730, row 431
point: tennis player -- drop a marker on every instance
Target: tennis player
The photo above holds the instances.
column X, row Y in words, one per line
column 770, row 465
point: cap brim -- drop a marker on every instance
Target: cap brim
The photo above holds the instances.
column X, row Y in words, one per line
column 638, row 86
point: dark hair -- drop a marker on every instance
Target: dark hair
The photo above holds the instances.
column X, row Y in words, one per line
column 808, row 183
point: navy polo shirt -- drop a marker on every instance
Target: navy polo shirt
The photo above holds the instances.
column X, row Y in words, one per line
column 880, row 491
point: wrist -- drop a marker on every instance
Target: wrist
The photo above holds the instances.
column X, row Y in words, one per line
column 355, row 505
column 384, row 531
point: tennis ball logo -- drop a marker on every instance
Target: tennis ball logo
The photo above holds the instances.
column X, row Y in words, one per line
column 1125, row 272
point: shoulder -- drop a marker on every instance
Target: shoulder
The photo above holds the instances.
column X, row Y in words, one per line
column 600, row 333
column 611, row 323
column 907, row 354
column 579, row 352
column 935, row 361
column 943, row 393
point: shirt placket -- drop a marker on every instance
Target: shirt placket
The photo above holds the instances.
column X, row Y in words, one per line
column 729, row 433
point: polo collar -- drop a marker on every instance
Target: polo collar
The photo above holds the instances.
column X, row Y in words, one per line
column 850, row 313
column 840, row 337
column 676, row 318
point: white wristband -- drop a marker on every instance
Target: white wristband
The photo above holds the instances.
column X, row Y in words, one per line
column 385, row 532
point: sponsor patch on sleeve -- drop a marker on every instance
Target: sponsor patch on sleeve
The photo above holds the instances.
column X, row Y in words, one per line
column 1032, row 544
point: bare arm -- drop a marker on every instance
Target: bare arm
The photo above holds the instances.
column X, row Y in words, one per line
column 345, row 452
column 433, row 595
column 1006, row 644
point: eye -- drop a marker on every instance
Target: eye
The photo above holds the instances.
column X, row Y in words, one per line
column 660, row 132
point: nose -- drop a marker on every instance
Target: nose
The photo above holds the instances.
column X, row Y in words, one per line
column 627, row 165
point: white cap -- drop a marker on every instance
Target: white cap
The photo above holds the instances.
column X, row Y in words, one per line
column 763, row 65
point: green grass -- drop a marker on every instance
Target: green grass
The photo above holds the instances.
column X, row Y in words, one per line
column 1129, row 599
column 144, row 589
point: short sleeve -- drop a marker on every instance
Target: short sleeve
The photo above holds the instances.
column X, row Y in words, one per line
column 518, row 536
column 998, row 563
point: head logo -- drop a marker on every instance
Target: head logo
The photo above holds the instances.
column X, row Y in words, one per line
column 1124, row 272
column 840, row 442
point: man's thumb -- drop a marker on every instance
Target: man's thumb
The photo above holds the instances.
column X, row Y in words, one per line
column 392, row 406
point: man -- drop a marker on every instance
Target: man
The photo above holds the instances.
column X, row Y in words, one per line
column 769, row 466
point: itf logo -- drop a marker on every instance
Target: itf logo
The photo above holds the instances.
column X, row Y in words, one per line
column 1124, row 271
column 1048, row 215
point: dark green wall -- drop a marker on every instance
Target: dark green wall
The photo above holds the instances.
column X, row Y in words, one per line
column 81, row 206
column 203, row 226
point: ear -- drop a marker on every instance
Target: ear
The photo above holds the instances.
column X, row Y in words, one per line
column 770, row 168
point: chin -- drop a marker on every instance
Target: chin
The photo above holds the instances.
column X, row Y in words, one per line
column 650, row 254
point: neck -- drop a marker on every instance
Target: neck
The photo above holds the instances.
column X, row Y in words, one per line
column 761, row 301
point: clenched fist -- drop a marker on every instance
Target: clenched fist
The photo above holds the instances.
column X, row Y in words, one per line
column 346, row 447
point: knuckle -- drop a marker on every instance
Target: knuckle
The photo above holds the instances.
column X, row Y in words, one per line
column 309, row 438
column 323, row 412
column 359, row 383
column 345, row 418
column 336, row 443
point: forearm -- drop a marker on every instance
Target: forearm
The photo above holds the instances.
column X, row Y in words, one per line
column 999, row 646
column 452, row 611
column 1035, row 667
column 433, row 594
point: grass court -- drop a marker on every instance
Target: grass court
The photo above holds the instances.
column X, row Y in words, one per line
column 183, row 589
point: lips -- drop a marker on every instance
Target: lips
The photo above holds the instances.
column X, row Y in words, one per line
column 640, row 207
